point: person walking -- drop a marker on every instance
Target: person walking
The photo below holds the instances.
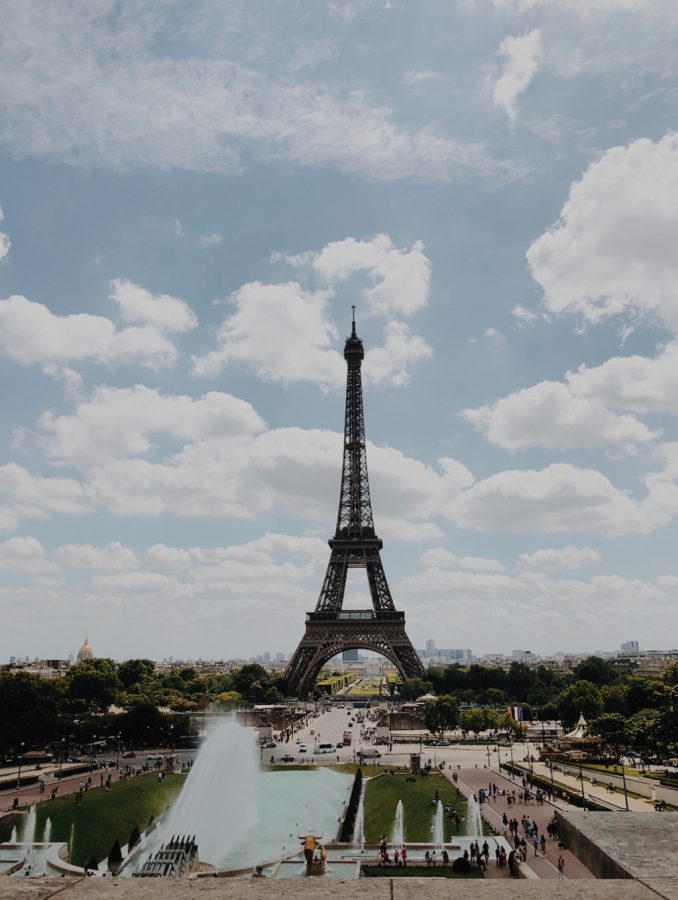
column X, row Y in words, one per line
column 403, row 854
column 543, row 845
column 561, row 867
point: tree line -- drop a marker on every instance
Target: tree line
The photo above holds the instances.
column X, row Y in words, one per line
column 74, row 710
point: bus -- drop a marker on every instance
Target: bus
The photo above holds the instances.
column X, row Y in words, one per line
column 348, row 736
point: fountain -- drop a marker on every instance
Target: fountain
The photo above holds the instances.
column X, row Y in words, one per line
column 398, row 834
column 13, row 838
column 28, row 831
column 359, row 831
column 218, row 802
column 474, row 820
column 47, row 834
column 71, row 842
column 438, row 833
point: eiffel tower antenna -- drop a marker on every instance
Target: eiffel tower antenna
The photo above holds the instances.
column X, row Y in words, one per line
column 330, row 629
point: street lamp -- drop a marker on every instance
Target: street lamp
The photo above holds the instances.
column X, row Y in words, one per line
column 18, row 777
column 487, row 747
column 61, row 757
column 626, row 796
column 512, row 772
column 91, row 752
column 581, row 777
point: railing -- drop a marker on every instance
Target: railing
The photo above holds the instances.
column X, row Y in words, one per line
column 356, row 615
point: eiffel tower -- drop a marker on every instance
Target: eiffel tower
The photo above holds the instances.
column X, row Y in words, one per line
column 355, row 545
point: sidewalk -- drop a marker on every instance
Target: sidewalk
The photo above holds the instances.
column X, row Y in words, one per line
column 471, row 780
column 597, row 793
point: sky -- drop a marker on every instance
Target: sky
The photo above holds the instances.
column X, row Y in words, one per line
column 193, row 195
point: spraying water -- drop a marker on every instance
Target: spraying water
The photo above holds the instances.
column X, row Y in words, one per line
column 13, row 836
column 71, row 842
column 474, row 820
column 397, row 836
column 28, row 833
column 438, row 834
column 218, row 802
column 47, row 834
column 359, row 833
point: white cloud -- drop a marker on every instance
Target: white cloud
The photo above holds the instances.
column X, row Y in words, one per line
column 140, row 583
column 167, row 314
column 549, row 415
column 284, row 332
column 635, row 383
column 569, row 557
column 199, row 102
column 213, row 239
column 36, row 497
column 558, row 498
column 390, row 363
column 117, row 422
column 400, row 277
column 5, row 243
column 612, row 251
column 113, row 557
column 589, row 8
column 522, row 57
column 71, row 380
column 438, row 557
column 30, row 333
column 25, row 556
column 523, row 314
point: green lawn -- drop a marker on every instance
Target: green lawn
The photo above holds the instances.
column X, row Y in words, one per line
column 382, row 796
column 107, row 815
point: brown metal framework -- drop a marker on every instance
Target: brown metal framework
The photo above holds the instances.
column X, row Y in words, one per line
column 330, row 630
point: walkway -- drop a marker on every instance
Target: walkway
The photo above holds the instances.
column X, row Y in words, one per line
column 597, row 793
column 471, row 780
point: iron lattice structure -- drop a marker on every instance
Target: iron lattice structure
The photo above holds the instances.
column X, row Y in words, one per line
column 330, row 629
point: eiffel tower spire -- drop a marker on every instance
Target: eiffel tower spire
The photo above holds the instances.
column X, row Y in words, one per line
column 329, row 629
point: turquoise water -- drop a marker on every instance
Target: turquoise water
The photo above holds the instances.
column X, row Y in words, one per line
column 289, row 804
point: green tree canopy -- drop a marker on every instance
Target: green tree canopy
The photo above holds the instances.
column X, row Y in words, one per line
column 441, row 713
column 581, row 697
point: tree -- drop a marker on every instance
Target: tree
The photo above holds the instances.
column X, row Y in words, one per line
column 229, row 700
column 95, row 683
column 671, row 674
column 643, row 729
column 612, row 728
column 477, row 719
column 145, row 724
column 411, row 688
column 599, row 671
column 441, row 713
column 134, row 671
column 580, row 698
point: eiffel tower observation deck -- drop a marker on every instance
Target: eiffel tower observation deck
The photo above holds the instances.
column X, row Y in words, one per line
column 330, row 629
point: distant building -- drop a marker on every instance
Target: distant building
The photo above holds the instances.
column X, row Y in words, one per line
column 629, row 647
column 430, row 646
column 350, row 656
column 523, row 656
column 85, row 652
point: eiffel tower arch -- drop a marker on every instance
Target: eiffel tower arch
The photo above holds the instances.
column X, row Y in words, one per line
column 330, row 629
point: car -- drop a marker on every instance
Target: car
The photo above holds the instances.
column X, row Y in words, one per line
column 154, row 757
column 370, row 753
column 287, row 757
column 269, row 745
column 350, row 724
column 303, row 748
column 340, row 746
column 298, row 741
column 312, row 731
column 129, row 755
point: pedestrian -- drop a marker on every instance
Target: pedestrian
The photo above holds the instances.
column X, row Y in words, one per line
column 561, row 867
column 403, row 853
column 535, row 843
column 427, row 857
column 497, row 856
column 543, row 845
column 396, row 857
column 446, row 857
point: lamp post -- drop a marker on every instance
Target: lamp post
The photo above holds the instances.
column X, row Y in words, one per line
column 117, row 758
column 512, row 772
column 18, row 777
column 61, row 757
column 626, row 796
column 91, row 752
column 581, row 778
column 487, row 747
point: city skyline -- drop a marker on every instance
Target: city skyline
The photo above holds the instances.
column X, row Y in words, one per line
column 194, row 195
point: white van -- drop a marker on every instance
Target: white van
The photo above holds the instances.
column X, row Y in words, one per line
column 323, row 748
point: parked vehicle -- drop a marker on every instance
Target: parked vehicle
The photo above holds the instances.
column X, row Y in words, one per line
column 303, row 748
column 324, row 748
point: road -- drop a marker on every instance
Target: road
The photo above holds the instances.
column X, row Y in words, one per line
column 330, row 726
